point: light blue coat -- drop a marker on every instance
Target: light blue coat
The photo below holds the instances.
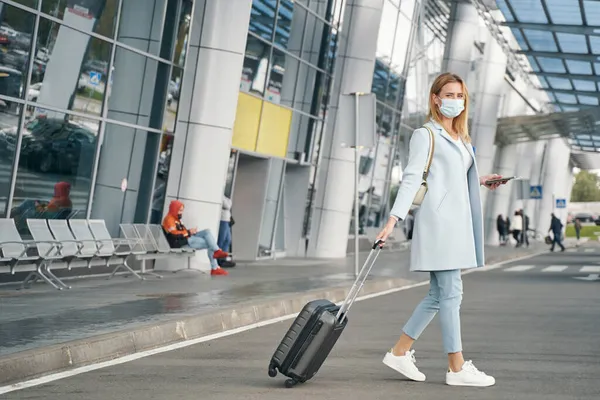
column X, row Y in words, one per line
column 448, row 226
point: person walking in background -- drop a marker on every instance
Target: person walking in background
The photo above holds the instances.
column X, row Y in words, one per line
column 524, row 236
column 448, row 228
column 556, row 228
column 577, row 229
column 501, row 228
column 179, row 236
column 224, row 237
column 517, row 228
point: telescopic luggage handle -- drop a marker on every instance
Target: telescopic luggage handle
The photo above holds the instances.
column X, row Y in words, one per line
column 360, row 280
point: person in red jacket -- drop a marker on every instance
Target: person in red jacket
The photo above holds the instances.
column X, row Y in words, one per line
column 179, row 236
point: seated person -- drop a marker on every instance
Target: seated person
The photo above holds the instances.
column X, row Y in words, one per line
column 61, row 200
column 179, row 236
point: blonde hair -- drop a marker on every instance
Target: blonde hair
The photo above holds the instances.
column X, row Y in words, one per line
column 460, row 123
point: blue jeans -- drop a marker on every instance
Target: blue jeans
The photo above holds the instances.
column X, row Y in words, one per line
column 445, row 297
column 224, row 240
column 204, row 240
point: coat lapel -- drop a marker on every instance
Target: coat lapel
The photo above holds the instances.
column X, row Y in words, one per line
column 445, row 134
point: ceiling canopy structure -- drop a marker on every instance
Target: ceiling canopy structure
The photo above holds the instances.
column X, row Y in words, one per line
column 561, row 41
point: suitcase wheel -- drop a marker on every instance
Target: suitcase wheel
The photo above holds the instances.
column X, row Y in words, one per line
column 290, row 383
column 272, row 371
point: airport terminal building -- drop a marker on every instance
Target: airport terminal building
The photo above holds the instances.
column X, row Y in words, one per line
column 135, row 103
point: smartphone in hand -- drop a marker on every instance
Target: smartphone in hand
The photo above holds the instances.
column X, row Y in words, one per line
column 502, row 180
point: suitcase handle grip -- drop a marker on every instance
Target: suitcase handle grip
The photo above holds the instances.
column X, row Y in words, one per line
column 378, row 243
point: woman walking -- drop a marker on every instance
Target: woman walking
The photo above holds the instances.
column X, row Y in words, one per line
column 448, row 227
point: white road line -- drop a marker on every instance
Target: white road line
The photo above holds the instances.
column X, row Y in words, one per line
column 588, row 250
column 519, row 268
column 555, row 268
column 590, row 269
column 132, row 357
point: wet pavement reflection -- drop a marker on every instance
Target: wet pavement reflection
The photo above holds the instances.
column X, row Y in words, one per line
column 42, row 316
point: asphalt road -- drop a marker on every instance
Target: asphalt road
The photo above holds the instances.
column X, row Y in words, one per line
column 535, row 328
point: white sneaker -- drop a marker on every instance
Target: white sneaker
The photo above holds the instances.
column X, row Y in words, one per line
column 469, row 376
column 405, row 365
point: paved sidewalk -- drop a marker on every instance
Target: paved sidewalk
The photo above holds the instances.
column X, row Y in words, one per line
column 44, row 330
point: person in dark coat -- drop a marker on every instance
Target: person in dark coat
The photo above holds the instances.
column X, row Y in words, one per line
column 556, row 228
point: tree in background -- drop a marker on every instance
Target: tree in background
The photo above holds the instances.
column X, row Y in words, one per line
column 586, row 187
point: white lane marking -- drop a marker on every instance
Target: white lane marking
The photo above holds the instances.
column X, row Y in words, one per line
column 588, row 250
column 555, row 268
column 132, row 357
column 519, row 268
column 590, row 269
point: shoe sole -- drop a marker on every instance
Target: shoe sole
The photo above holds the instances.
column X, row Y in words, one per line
column 406, row 375
column 470, row 384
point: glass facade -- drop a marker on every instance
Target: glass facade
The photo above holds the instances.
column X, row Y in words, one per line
column 89, row 103
column 400, row 107
column 289, row 54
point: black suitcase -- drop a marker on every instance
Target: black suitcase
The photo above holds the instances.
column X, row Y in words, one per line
column 315, row 331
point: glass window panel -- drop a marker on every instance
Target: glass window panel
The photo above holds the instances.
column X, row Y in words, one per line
column 534, row 65
column 380, row 79
column 283, row 71
column 559, row 83
column 551, row 64
column 540, row 40
column 520, row 39
column 564, row 12
column 256, row 65
column 130, row 156
column 407, row 7
column 172, row 104
column 589, row 100
column 402, row 37
column 529, row 11
column 87, row 15
column 74, row 75
column 579, row 67
column 146, row 34
column 595, row 44
column 262, row 18
column 392, row 91
column 162, row 173
column 312, row 39
column 299, row 133
column 28, row 3
column 289, row 18
column 387, row 27
column 55, row 168
column 566, row 98
column 183, row 31
column 505, row 10
column 133, row 89
column 572, row 43
column 9, row 125
column 592, row 10
column 584, row 85
column 543, row 82
column 15, row 49
column 305, row 86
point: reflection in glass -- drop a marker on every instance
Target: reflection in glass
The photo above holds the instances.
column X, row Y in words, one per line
column 262, row 18
column 15, row 47
column 74, row 71
column 284, row 22
column 256, row 64
column 172, row 105
column 96, row 16
column 160, row 187
column 9, row 125
column 55, row 167
column 133, row 88
column 183, row 31
column 312, row 39
column 282, row 76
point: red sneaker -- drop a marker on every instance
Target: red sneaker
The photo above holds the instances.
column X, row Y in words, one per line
column 219, row 271
column 220, row 254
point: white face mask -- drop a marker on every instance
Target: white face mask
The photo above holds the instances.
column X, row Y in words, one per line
column 452, row 108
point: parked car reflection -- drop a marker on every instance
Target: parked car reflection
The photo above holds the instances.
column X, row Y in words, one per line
column 53, row 145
